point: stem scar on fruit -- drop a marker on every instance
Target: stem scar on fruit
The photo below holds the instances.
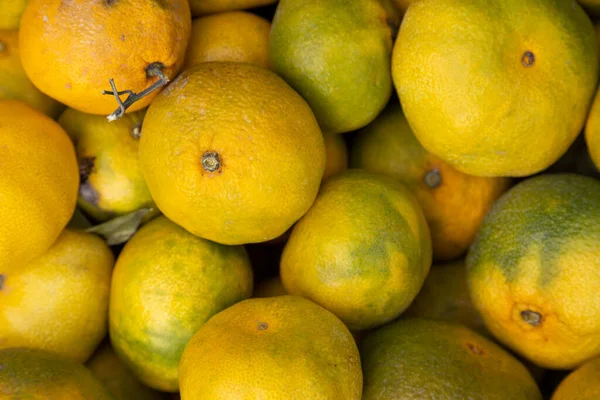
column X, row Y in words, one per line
column 528, row 59
column 433, row 178
column 211, row 161
column 531, row 317
column 262, row 326
column 154, row 69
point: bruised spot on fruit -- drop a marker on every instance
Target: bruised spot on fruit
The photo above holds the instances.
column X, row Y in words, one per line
column 433, row 178
column 528, row 59
column 136, row 131
column 86, row 167
column 475, row 349
column 2, row 279
column 3, row 47
column 89, row 194
column 86, row 190
column 211, row 161
column 262, row 326
column 531, row 317
column 109, row 3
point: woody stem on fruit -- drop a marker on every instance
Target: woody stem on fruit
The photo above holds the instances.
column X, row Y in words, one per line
column 154, row 69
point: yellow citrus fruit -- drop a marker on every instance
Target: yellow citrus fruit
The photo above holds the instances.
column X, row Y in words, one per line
column 166, row 284
column 424, row 359
column 362, row 251
column 214, row 6
column 71, row 49
column 496, row 88
column 10, row 15
column 283, row 347
column 336, row 54
column 269, row 287
column 445, row 297
column 38, row 182
column 231, row 153
column 454, row 203
column 118, row 379
column 581, row 384
column 238, row 36
column 37, row 374
column 336, row 159
column 533, row 270
column 14, row 83
column 59, row 301
column 111, row 181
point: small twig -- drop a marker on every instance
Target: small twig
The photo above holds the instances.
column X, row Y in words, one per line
column 154, row 69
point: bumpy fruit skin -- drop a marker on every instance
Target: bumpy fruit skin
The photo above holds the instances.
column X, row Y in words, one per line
column 14, row 83
column 232, row 153
column 414, row 358
column 166, row 284
column 238, row 36
column 496, row 88
column 38, row 182
column 59, row 301
column 533, row 270
column 362, row 251
column 276, row 348
column 38, row 374
column 454, row 203
column 71, row 49
column 336, row 54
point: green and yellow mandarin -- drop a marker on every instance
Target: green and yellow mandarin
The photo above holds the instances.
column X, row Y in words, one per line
column 336, row 54
column 111, row 178
column 166, row 284
column 533, row 270
column 512, row 111
column 362, row 251
column 418, row 358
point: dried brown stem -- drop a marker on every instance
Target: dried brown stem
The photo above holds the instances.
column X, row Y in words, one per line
column 154, row 69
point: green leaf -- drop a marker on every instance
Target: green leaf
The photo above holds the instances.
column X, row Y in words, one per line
column 120, row 229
